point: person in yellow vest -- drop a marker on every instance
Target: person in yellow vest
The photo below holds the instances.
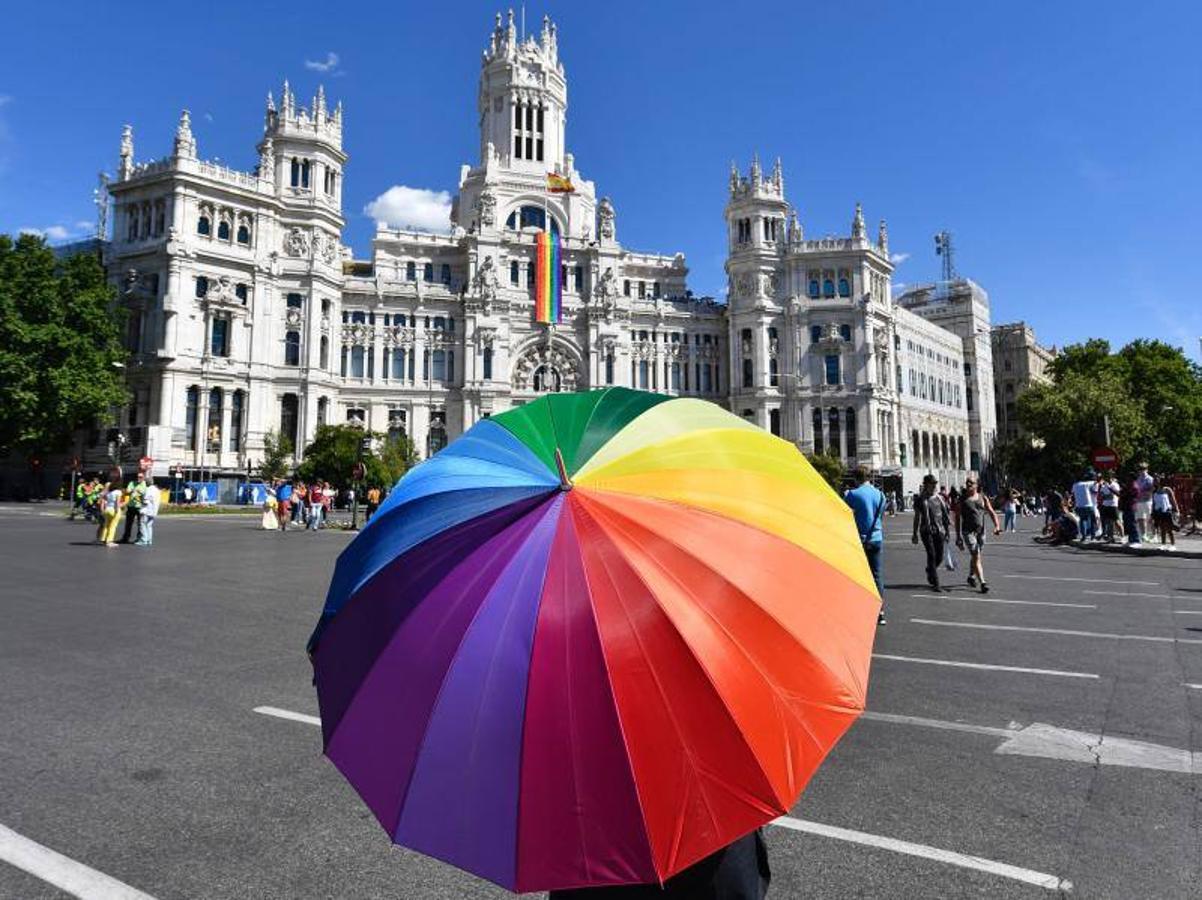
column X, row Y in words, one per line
column 135, row 491
column 373, row 501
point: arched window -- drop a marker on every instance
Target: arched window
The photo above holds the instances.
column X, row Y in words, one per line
column 828, row 288
column 358, row 362
column 323, row 410
column 223, row 230
column 487, row 374
column 547, row 380
column 411, row 271
column 832, row 426
column 398, row 422
column 132, row 234
column 814, row 288
column 324, row 353
column 960, row 448
column 514, row 272
column 160, row 218
column 609, row 368
column 213, row 430
column 243, row 235
column 818, row 431
column 192, row 409
column 926, row 449
column 774, row 421
column 237, row 408
column 295, row 179
column 850, row 424
column 644, row 375
column 398, row 364
column 531, row 217
column 438, row 365
column 428, row 273
column 305, row 168
column 204, row 226
column 844, row 287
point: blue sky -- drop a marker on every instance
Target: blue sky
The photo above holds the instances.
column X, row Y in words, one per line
column 1060, row 143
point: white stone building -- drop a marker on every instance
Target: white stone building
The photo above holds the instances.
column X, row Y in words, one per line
column 249, row 316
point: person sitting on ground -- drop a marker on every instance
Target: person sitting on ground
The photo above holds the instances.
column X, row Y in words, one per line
column 969, row 516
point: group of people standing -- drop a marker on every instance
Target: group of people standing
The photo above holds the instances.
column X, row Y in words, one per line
column 297, row 503
column 1100, row 507
column 106, row 503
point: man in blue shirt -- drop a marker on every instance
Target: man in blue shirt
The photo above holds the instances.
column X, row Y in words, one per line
column 868, row 505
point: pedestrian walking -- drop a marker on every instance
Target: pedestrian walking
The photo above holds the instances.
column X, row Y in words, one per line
column 1164, row 507
column 151, row 500
column 868, row 505
column 970, row 515
column 316, row 501
column 271, row 504
column 1144, row 485
column 373, row 502
column 1009, row 510
column 1085, row 504
column 931, row 523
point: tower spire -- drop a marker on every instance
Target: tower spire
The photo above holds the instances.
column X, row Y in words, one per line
column 185, row 143
column 755, row 170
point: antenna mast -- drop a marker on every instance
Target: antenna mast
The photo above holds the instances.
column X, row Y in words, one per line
column 944, row 249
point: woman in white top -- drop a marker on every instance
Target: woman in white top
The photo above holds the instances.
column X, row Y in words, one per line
column 1108, row 498
column 1164, row 504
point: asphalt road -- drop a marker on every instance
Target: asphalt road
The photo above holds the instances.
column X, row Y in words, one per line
column 129, row 680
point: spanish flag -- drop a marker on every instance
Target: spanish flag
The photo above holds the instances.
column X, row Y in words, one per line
column 548, row 306
column 557, row 184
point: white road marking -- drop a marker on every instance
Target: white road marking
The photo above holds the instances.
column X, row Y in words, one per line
column 951, row 857
column 972, row 665
column 1099, row 580
column 1066, row 631
column 1194, row 687
column 1125, row 594
column 894, row 719
column 996, row 600
column 61, row 871
column 1188, row 612
column 287, row 714
column 1052, row 742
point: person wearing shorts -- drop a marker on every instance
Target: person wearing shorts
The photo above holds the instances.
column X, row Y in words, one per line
column 969, row 515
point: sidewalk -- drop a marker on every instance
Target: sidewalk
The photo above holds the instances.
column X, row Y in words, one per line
column 1188, row 547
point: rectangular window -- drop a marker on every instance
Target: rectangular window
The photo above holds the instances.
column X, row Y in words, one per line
column 578, row 279
column 832, row 369
column 445, row 274
column 626, row 287
column 514, row 277
column 219, row 345
column 236, row 404
column 411, row 271
column 358, row 362
column 428, row 273
column 642, row 289
column 487, row 364
column 748, row 373
column 295, row 301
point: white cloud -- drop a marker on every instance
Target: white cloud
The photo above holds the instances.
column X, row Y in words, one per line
column 898, row 258
column 407, row 207
column 208, row 117
column 898, row 287
column 328, row 65
column 84, row 225
column 58, row 232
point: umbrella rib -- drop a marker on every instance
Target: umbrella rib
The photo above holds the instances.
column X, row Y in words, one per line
column 777, row 689
column 705, row 563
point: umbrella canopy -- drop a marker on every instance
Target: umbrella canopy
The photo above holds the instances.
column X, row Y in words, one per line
column 594, row 640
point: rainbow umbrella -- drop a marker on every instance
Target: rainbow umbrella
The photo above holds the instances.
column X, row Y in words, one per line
column 597, row 638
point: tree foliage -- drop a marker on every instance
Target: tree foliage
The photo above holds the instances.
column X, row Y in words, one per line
column 336, row 448
column 276, row 453
column 1150, row 391
column 60, row 346
column 829, row 467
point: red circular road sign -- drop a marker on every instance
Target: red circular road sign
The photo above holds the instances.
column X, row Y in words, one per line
column 1104, row 458
column 359, row 472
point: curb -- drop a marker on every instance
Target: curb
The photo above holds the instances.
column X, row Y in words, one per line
column 1136, row 550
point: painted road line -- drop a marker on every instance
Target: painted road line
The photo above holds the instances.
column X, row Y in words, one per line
column 1188, row 612
column 972, row 665
column 1065, row 631
column 1097, row 580
column 1125, row 594
column 950, row 857
column 1051, row 742
column 996, row 600
column 287, row 714
column 61, row 871
column 894, row 719
column 1194, row 687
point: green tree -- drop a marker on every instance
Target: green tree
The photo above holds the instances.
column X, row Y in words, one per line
column 1169, row 389
column 829, row 467
column 276, row 453
column 1065, row 417
column 333, row 453
column 61, row 354
column 396, row 457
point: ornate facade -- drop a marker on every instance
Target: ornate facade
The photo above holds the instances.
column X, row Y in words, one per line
column 249, row 316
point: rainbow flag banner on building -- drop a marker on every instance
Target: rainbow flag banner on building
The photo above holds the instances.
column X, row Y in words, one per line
column 548, row 293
